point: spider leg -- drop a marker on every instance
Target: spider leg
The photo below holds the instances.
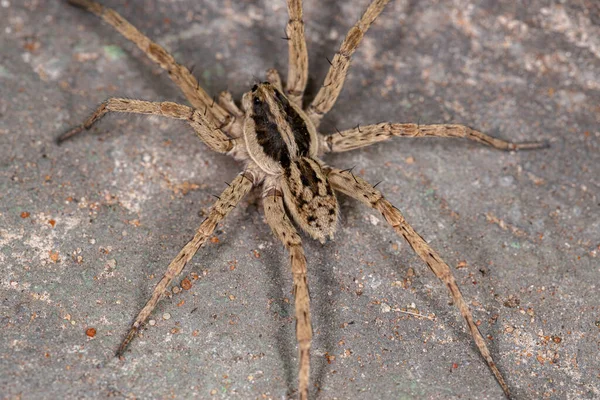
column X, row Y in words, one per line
column 235, row 127
column 334, row 80
column 358, row 188
column 179, row 74
column 226, row 101
column 274, row 79
column 230, row 197
column 284, row 230
column 298, row 55
column 205, row 130
column 363, row 136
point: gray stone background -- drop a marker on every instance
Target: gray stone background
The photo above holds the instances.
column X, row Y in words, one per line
column 86, row 229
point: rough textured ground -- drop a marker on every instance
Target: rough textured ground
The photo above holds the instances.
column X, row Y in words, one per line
column 86, row 229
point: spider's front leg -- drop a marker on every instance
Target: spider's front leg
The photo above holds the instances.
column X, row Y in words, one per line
column 179, row 74
column 363, row 136
column 284, row 230
column 227, row 201
column 298, row 55
column 274, row 79
column 334, row 80
column 205, row 130
column 358, row 188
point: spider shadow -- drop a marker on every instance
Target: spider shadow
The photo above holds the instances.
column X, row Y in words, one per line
column 323, row 310
column 276, row 291
column 271, row 46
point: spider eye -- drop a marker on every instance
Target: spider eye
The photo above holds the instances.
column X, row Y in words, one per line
column 256, row 100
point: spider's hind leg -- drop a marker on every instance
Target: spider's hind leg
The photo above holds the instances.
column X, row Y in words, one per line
column 284, row 230
column 359, row 189
column 227, row 201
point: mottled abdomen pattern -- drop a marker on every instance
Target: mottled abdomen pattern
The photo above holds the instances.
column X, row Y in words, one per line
column 309, row 198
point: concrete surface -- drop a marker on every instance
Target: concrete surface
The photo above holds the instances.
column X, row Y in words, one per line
column 87, row 229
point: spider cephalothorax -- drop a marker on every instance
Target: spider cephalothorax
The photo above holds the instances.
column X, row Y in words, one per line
column 279, row 144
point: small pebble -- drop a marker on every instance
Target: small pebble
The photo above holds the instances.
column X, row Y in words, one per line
column 556, row 339
column 166, row 315
column 186, row 284
column 152, row 322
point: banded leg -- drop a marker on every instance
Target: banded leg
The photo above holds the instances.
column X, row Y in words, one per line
column 284, row 230
column 274, row 79
column 353, row 186
column 205, row 130
column 363, row 136
column 179, row 74
column 298, row 55
column 227, row 201
column 235, row 127
column 334, row 80
column 226, row 101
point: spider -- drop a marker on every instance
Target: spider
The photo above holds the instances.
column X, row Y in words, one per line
column 278, row 143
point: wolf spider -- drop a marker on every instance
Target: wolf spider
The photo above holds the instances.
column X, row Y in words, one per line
column 277, row 142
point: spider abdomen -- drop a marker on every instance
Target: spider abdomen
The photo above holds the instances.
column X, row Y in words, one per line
column 310, row 198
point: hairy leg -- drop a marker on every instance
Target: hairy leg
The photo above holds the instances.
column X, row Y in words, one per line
column 179, row 74
column 363, row 136
column 334, row 81
column 284, row 230
column 226, row 101
column 298, row 55
column 274, row 79
column 205, row 130
column 227, row 201
column 358, row 188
